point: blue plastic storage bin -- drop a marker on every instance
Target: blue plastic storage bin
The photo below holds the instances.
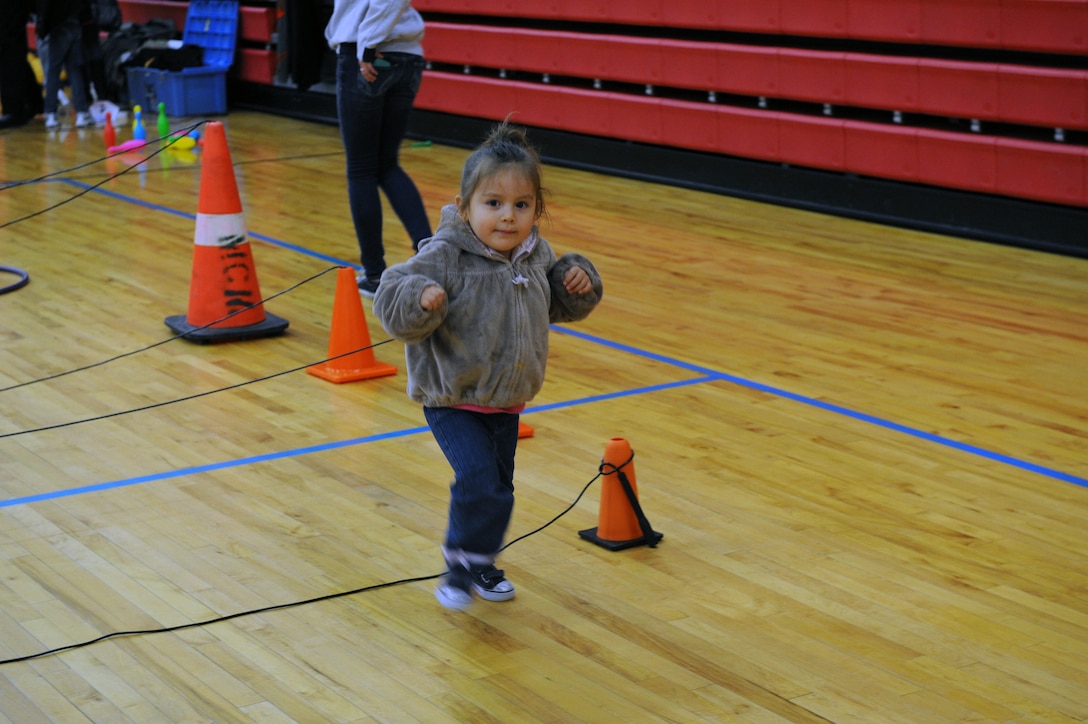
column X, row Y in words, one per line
column 213, row 25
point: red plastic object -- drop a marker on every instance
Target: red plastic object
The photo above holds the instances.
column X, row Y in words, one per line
column 827, row 18
column 897, row 21
column 957, row 160
column 634, row 12
column 536, row 105
column 1049, row 26
column 467, row 95
column 690, row 64
column 694, row 126
column 748, row 70
column 811, row 141
column 889, row 152
column 140, row 11
column 1042, row 171
column 591, row 112
column 1052, row 97
column 810, row 75
column 635, row 60
column 957, row 89
column 974, row 23
column 634, row 118
column 748, row 133
column 877, row 81
column 257, row 23
column 255, row 65
column 698, row 14
column 442, row 42
column 583, row 56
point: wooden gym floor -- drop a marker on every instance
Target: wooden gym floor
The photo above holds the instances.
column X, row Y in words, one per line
column 866, row 447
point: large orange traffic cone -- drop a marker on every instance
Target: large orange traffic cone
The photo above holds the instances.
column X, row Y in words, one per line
column 349, row 332
column 224, row 278
column 621, row 522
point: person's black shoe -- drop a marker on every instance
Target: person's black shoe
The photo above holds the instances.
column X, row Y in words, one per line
column 367, row 287
column 490, row 583
column 10, row 120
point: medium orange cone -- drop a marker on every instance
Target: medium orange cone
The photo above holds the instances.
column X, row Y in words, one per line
column 621, row 522
column 224, row 278
column 349, row 332
column 524, row 430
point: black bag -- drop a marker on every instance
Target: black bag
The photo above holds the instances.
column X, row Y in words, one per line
column 158, row 54
column 121, row 45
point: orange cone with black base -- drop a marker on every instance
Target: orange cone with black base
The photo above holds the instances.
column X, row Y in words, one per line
column 349, row 332
column 621, row 522
column 224, row 278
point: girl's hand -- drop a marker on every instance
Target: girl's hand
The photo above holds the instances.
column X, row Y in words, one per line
column 432, row 297
column 577, row 281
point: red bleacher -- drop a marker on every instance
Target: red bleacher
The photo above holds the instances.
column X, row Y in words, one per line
column 984, row 91
column 1053, row 98
column 1050, row 26
column 974, row 162
column 746, row 96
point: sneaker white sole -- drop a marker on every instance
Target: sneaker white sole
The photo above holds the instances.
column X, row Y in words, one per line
column 452, row 597
column 493, row 595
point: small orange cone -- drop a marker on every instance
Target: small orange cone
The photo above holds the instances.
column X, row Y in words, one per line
column 349, row 332
column 621, row 522
column 524, row 430
column 224, row 278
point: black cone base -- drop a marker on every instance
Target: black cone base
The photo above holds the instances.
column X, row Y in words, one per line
column 269, row 327
column 590, row 534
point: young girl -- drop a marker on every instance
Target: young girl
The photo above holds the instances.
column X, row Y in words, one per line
column 473, row 307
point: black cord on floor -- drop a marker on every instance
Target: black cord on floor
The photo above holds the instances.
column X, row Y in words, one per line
column 276, row 607
column 179, row 336
column 171, row 139
column 154, row 405
column 252, row 612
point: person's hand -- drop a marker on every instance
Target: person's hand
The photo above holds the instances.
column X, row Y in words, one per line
column 370, row 70
column 577, row 281
column 432, row 297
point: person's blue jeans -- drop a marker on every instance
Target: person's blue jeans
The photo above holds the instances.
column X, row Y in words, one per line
column 65, row 52
column 480, row 448
column 373, row 122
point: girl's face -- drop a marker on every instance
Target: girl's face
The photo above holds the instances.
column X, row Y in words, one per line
column 502, row 210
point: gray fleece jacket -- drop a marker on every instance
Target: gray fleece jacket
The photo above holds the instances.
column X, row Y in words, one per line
column 376, row 25
column 488, row 343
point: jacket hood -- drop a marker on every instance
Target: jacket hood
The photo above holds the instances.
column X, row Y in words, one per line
column 454, row 230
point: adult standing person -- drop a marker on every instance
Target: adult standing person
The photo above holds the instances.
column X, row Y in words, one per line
column 379, row 46
column 20, row 94
column 60, row 23
column 105, row 15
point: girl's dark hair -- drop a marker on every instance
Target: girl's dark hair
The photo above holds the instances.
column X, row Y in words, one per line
column 505, row 146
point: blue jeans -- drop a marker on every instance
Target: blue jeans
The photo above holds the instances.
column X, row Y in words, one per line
column 480, row 448
column 65, row 51
column 373, row 122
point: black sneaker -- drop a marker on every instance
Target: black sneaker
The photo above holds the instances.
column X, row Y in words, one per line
column 367, row 287
column 490, row 583
column 455, row 589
